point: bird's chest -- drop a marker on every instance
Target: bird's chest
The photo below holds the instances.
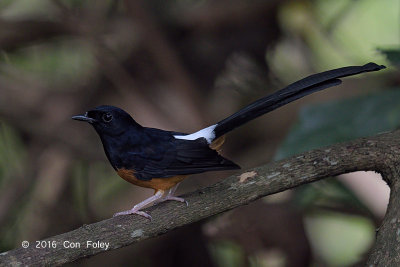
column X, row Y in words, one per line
column 134, row 152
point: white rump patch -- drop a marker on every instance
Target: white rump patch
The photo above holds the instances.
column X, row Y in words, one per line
column 207, row 133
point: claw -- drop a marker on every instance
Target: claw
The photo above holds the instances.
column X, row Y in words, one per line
column 137, row 207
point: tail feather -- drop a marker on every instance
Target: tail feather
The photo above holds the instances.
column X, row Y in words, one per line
column 294, row 91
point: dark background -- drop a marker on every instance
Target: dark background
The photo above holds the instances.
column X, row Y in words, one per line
column 183, row 65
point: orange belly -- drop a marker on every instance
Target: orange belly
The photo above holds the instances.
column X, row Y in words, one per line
column 155, row 183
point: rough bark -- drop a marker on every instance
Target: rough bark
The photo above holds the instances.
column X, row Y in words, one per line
column 379, row 153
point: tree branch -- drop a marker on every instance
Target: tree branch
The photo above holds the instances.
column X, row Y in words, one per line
column 379, row 153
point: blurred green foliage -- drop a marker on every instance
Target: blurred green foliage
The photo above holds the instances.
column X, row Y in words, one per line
column 323, row 34
column 393, row 55
column 23, row 9
column 226, row 253
column 61, row 61
column 12, row 153
column 12, row 163
column 338, row 121
column 341, row 240
column 327, row 193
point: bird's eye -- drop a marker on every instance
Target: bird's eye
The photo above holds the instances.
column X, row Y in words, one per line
column 107, row 117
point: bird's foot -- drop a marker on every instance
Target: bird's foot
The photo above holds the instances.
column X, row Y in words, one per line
column 133, row 211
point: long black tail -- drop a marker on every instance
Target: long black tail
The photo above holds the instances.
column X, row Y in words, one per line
column 292, row 92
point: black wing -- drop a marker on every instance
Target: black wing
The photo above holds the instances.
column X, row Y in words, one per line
column 162, row 159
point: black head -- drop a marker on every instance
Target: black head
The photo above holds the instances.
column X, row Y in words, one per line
column 108, row 120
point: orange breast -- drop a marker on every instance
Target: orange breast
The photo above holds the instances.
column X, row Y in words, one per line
column 154, row 183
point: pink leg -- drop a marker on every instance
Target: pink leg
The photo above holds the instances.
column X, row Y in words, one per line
column 137, row 207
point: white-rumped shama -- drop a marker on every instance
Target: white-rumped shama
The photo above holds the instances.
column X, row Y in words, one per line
column 160, row 160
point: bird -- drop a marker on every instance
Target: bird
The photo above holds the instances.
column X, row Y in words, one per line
column 160, row 159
